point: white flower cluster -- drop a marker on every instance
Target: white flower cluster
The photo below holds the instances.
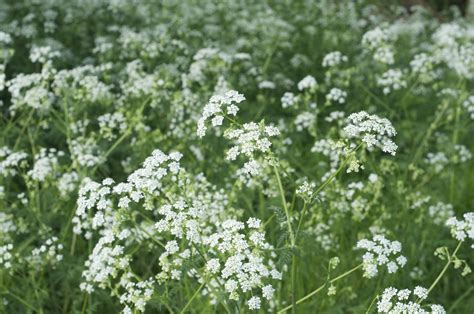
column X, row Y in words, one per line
column 213, row 110
column 422, row 65
column 378, row 41
column 375, row 38
column 384, row 55
column 392, row 80
column 453, row 46
column 86, row 152
column 92, row 194
column 438, row 160
column 336, row 95
column 379, row 252
column 112, row 124
column 136, row 294
column 30, row 90
column 305, row 120
column 6, row 256
column 329, row 148
column 45, row 164
column 238, row 264
column 394, row 301
column 462, row 229
column 10, row 161
column 372, row 130
column 49, row 252
column 468, row 104
column 440, row 212
column 83, row 83
column 333, row 59
column 248, row 140
column 306, row 190
column 266, row 85
column 288, row 100
column 67, row 183
column 462, row 154
column 105, row 262
column 307, row 83
column 233, row 252
column 43, row 55
column 335, row 116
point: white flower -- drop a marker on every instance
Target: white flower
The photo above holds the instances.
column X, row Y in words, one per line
column 213, row 109
column 288, row 100
column 254, row 303
column 462, row 229
column 333, row 59
column 395, row 301
column 337, row 95
column 379, row 252
column 373, row 131
column 391, row 80
column 308, row 82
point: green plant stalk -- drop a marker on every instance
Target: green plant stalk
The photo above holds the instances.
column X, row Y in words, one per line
column 445, row 268
column 292, row 238
column 308, row 296
column 192, row 298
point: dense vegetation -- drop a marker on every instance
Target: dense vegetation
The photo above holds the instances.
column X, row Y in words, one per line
column 235, row 156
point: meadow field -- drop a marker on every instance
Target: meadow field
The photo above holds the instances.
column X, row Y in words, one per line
column 236, row 156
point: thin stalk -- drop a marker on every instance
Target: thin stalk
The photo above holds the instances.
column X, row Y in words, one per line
column 285, row 206
column 445, row 268
column 321, row 288
column 192, row 298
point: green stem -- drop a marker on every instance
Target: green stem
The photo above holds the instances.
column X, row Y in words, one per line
column 321, row 288
column 445, row 268
column 285, row 206
column 192, row 298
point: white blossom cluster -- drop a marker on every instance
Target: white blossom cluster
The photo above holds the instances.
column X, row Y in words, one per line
column 437, row 160
column 392, row 80
column 329, row 148
column 468, row 104
column 249, row 139
column 372, row 130
column 242, row 269
column 213, row 110
column 440, row 212
column 453, row 45
column 104, row 263
column 43, row 54
column 462, row 229
column 86, row 152
column 31, row 91
column 6, row 256
column 68, row 183
column 47, row 253
column 10, row 161
column 307, row 83
column 136, row 294
column 266, row 85
column 306, row 190
column 384, row 55
column 235, row 251
column 378, row 252
column 378, row 41
column 305, row 120
column 45, row 164
column 394, row 301
column 333, row 59
column 112, row 124
column 423, row 65
column 336, row 95
column 289, row 100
